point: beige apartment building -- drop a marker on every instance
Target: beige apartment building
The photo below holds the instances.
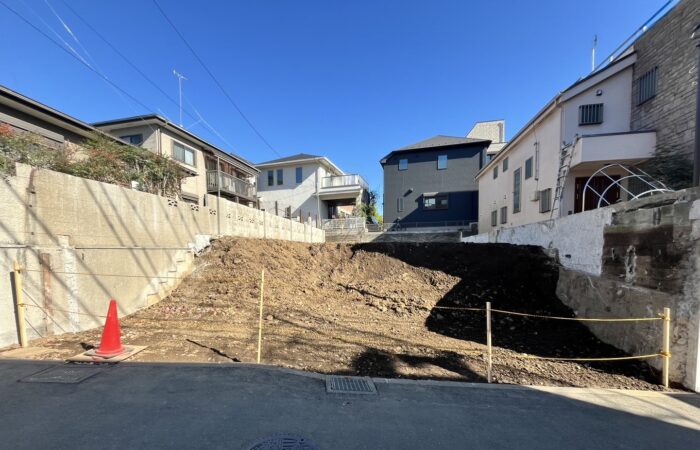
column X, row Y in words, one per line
column 210, row 169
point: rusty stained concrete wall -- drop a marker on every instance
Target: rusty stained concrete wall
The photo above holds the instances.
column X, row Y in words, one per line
column 650, row 260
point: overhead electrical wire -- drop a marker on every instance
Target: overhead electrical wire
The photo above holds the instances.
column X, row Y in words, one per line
column 216, row 81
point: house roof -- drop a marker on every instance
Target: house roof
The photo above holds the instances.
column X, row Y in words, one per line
column 22, row 103
column 302, row 158
column 226, row 156
column 297, row 157
column 439, row 141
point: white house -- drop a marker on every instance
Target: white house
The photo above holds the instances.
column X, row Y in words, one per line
column 310, row 187
column 581, row 130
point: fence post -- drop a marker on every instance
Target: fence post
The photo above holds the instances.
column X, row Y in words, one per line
column 666, row 347
column 488, row 341
column 19, row 303
column 260, row 320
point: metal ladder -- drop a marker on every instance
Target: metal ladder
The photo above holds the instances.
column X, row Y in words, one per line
column 565, row 154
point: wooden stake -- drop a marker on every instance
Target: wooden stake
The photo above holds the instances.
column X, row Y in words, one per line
column 488, row 341
column 666, row 347
column 19, row 302
column 260, row 320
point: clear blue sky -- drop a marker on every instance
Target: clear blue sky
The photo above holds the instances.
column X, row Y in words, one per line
column 351, row 80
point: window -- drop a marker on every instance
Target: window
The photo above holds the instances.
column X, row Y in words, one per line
column 528, row 168
column 517, row 182
column 495, row 172
column 298, row 174
column 270, row 177
column 590, row 114
column 399, row 204
column 133, row 139
column 442, row 162
column 646, row 86
column 183, row 154
column 504, row 214
column 403, row 164
column 505, row 164
column 280, row 176
column 435, row 202
column 545, row 200
column 494, row 218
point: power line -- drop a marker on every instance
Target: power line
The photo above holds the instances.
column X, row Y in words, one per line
column 226, row 94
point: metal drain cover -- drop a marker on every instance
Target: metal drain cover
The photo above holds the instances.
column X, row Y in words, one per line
column 63, row 374
column 349, row 385
column 283, row 442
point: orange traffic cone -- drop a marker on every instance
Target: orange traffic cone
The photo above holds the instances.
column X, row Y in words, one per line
column 111, row 344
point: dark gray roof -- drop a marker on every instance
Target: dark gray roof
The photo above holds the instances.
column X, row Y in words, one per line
column 435, row 142
column 442, row 141
column 297, row 157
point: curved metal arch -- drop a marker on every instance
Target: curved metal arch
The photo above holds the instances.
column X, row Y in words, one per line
column 655, row 186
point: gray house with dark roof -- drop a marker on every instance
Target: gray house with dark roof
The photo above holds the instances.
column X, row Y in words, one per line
column 309, row 187
column 431, row 183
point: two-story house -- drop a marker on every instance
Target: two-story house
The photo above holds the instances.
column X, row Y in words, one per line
column 211, row 170
column 574, row 155
column 310, row 186
column 431, row 183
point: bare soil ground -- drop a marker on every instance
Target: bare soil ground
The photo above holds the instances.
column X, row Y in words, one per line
column 371, row 309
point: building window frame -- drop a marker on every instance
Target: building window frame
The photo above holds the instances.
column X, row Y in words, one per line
column 528, row 168
column 280, row 177
column 298, row 174
column 646, row 86
column 270, row 177
column 436, row 202
column 545, row 200
column 590, row 114
column 505, row 164
column 494, row 218
column 442, row 162
column 180, row 151
column 504, row 215
column 495, row 172
column 133, row 139
column 399, row 204
column 517, row 190
column 403, row 164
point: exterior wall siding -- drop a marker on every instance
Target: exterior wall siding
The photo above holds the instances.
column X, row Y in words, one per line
column 422, row 176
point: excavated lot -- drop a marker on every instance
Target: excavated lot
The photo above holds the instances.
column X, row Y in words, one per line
column 372, row 309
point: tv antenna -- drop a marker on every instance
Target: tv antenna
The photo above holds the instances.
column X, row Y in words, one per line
column 180, row 77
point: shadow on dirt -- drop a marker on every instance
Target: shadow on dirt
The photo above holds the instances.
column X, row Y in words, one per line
column 513, row 278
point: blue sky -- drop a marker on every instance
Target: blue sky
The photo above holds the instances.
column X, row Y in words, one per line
column 350, row 80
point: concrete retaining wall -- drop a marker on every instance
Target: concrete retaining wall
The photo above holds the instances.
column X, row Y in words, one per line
column 629, row 260
column 82, row 242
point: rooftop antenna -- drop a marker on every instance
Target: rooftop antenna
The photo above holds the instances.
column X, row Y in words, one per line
column 180, row 77
column 595, row 44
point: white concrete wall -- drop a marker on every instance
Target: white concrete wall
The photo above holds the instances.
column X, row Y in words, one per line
column 104, row 241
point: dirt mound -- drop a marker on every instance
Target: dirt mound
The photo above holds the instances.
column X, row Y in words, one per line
column 373, row 309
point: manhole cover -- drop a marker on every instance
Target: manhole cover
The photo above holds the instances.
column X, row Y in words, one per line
column 62, row 374
column 283, row 442
column 349, row 385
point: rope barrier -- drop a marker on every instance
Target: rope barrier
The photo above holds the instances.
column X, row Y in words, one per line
column 580, row 319
column 614, row 358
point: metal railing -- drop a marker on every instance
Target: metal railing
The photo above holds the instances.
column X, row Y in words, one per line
column 230, row 184
column 403, row 226
column 343, row 180
column 348, row 223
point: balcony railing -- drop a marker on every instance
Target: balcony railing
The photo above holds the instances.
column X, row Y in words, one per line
column 343, row 181
column 230, row 184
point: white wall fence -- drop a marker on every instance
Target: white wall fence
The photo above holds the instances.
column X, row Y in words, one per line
column 82, row 242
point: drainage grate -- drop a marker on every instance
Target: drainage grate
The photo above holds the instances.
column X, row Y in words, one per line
column 283, row 442
column 63, row 374
column 349, row 385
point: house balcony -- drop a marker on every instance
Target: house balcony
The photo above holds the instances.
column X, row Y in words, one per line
column 342, row 187
column 592, row 151
column 230, row 185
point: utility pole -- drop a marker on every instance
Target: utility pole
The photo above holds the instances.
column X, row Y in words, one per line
column 180, row 77
column 595, row 44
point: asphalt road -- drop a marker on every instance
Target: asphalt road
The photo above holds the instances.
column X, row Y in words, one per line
column 233, row 406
